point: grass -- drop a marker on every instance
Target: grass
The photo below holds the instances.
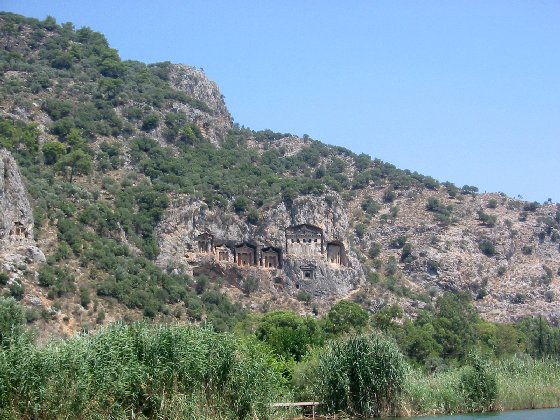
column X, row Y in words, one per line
column 432, row 394
column 527, row 383
column 522, row 383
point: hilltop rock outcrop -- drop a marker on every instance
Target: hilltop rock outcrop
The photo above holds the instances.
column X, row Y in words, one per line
column 214, row 122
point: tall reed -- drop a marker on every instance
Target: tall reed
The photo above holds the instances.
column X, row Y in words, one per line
column 524, row 382
column 520, row 382
column 361, row 375
column 138, row 371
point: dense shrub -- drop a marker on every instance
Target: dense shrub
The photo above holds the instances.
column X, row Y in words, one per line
column 289, row 334
column 361, row 375
column 442, row 212
column 374, row 250
column 389, row 195
column 527, row 249
column 488, row 219
column 531, row 206
column 370, row 206
column 398, row 242
column 12, row 319
column 478, row 385
column 487, row 247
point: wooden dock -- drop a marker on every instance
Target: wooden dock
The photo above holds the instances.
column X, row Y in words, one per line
column 311, row 404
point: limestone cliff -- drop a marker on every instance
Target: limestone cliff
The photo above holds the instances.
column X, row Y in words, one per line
column 303, row 248
column 213, row 122
column 16, row 216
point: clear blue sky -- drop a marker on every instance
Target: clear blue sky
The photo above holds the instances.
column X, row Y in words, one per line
column 465, row 91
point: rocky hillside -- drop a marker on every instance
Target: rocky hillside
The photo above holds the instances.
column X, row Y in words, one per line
column 141, row 197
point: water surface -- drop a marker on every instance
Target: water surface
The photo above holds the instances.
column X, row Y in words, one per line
column 540, row 414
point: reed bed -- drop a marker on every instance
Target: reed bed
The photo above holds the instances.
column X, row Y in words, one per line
column 521, row 383
column 527, row 383
column 138, row 371
column 433, row 394
column 145, row 371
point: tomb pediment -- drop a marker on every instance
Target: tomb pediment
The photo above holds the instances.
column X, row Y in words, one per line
column 304, row 231
column 245, row 254
column 245, row 248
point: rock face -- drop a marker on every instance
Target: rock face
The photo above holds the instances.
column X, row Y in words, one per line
column 16, row 216
column 302, row 249
column 519, row 277
column 216, row 120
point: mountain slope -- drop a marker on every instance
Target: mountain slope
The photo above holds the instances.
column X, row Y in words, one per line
column 147, row 199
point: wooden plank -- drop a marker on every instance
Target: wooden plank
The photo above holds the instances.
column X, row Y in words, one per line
column 296, row 404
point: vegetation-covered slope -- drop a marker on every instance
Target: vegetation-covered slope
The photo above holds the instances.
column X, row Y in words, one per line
column 105, row 147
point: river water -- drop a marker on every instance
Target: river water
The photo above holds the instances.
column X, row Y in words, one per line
column 541, row 414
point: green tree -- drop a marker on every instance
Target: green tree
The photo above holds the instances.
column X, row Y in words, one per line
column 52, row 151
column 77, row 162
column 288, row 334
column 419, row 339
column 387, row 317
column 345, row 317
column 454, row 323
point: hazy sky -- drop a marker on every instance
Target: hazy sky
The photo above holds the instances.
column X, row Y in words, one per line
column 465, row 91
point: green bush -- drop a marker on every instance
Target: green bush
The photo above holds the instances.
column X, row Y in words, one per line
column 304, row 296
column 17, row 291
column 150, row 122
column 398, row 242
column 406, row 254
column 389, row 195
column 370, row 206
column 487, row 247
column 12, row 319
column 527, row 249
column 250, row 285
column 531, row 206
column 488, row 219
column 85, row 298
column 478, row 385
column 360, row 230
column 374, row 250
column 361, row 376
column 345, row 317
column 442, row 213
